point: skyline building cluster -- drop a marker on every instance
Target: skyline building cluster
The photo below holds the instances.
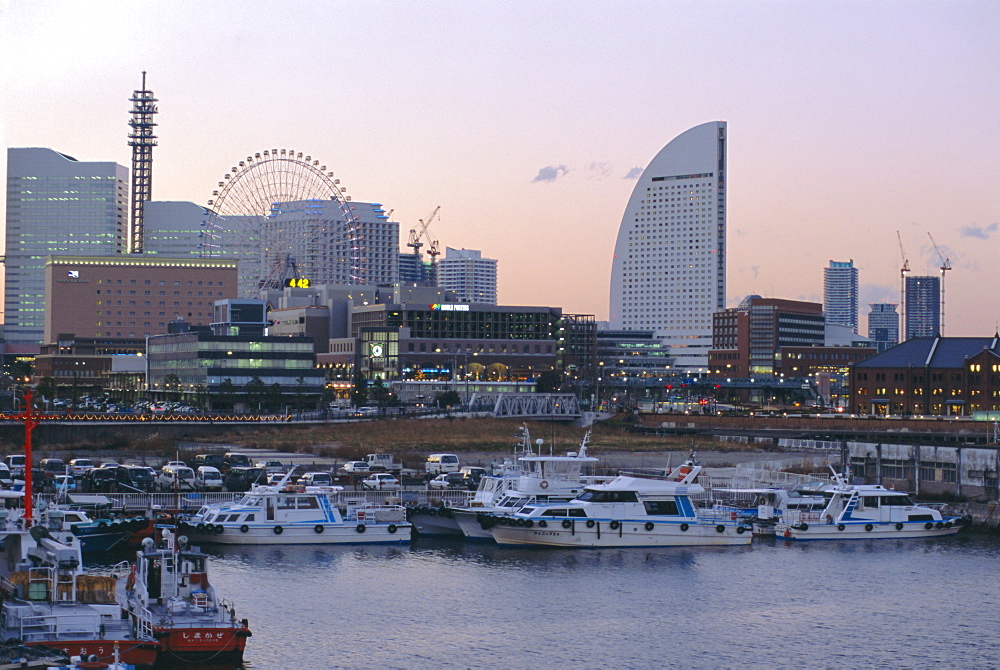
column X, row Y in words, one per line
column 60, row 206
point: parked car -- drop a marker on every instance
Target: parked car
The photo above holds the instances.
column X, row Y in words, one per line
column 381, row 481
column 207, row 478
column 271, row 467
column 179, row 477
column 55, row 466
column 64, row 483
column 448, row 480
column 231, row 459
column 242, row 479
column 438, row 463
column 316, row 479
column 78, row 466
column 130, row 478
column 472, row 474
column 355, row 467
column 15, row 462
column 98, row 480
column 6, row 477
column 215, row 460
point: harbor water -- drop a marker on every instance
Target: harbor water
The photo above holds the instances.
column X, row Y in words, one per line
column 775, row 604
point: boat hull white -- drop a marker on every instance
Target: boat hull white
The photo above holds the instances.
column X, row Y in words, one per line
column 470, row 526
column 864, row 530
column 305, row 533
column 635, row 533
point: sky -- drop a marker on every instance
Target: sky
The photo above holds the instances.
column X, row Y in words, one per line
column 852, row 124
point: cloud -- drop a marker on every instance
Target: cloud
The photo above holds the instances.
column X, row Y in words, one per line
column 550, row 173
column 599, row 170
column 634, row 173
column 980, row 232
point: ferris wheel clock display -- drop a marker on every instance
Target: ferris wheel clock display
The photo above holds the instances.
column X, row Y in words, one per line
column 283, row 217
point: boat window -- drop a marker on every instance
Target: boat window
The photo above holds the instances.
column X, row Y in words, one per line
column 903, row 501
column 661, row 507
column 249, row 517
column 576, row 512
column 554, row 512
column 869, row 501
column 527, row 510
column 73, row 517
column 286, row 502
column 608, row 496
column 308, row 502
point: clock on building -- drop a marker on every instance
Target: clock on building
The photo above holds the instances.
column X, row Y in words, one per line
column 377, row 351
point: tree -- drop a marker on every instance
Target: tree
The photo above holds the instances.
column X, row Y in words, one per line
column 380, row 393
column 359, row 395
column 46, row 388
column 273, row 399
column 226, row 393
column 172, row 386
column 255, row 390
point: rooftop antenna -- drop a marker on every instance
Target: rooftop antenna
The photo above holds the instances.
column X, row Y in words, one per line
column 142, row 140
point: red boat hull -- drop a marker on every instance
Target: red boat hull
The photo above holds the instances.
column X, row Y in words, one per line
column 134, row 652
column 220, row 646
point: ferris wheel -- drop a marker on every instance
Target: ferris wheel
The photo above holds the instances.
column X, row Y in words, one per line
column 281, row 216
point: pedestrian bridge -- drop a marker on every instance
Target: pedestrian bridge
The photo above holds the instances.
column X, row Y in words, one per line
column 552, row 406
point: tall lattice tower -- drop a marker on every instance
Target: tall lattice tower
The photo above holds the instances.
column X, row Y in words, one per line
column 142, row 140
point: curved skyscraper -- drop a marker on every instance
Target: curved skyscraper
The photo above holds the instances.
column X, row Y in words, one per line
column 669, row 270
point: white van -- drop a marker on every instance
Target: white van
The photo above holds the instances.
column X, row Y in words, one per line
column 438, row 463
column 179, row 476
column 207, row 478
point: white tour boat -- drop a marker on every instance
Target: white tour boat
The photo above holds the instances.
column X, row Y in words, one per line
column 628, row 511
column 535, row 479
column 288, row 514
column 862, row 511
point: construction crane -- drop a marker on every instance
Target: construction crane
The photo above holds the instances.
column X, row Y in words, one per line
column 903, row 271
column 416, row 236
column 945, row 266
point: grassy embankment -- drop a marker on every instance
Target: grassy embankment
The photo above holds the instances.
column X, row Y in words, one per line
column 413, row 439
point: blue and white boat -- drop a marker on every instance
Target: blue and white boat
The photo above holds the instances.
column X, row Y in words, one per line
column 628, row 511
column 533, row 478
column 864, row 511
column 290, row 514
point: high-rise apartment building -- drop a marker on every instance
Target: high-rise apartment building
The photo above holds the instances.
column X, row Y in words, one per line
column 840, row 293
column 922, row 311
column 174, row 229
column 668, row 274
column 56, row 205
column 472, row 277
column 883, row 325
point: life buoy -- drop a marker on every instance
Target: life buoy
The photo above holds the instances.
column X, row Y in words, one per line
column 684, row 527
column 392, row 529
column 803, row 526
column 720, row 528
column 740, row 530
column 542, row 523
column 544, row 484
column 219, row 529
column 649, row 525
column 318, row 528
column 200, row 527
column 360, row 528
column 244, row 528
column 939, row 525
column 899, row 526
column 841, row 526
column 590, row 523
column 566, row 523
column 529, row 523
column 928, row 525
column 278, row 530
column 869, row 527
column 615, row 525
column 948, row 524
column 788, row 533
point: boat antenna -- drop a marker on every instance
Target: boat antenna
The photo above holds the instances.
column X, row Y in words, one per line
column 583, row 444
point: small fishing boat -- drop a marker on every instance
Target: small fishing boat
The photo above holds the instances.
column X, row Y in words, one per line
column 532, row 479
column 290, row 514
column 628, row 511
column 864, row 511
column 167, row 595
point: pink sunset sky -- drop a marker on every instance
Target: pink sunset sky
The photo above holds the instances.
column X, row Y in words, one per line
column 527, row 121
